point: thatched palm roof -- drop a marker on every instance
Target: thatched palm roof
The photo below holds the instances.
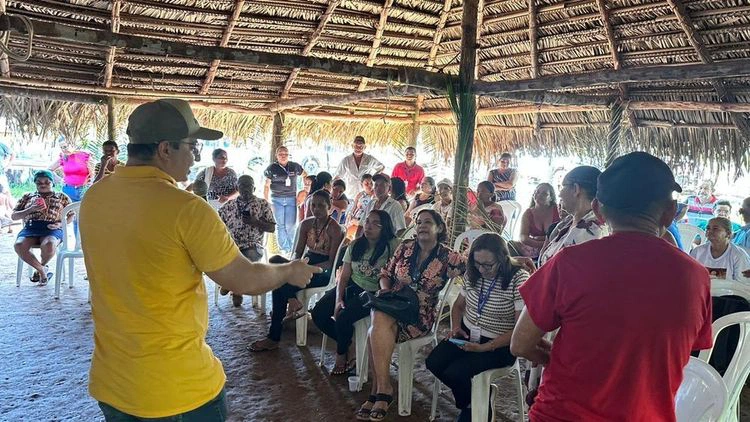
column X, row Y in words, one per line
column 518, row 40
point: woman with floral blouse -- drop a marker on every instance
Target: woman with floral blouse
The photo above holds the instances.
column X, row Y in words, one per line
column 425, row 265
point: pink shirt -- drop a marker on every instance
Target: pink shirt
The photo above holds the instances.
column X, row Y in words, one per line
column 75, row 168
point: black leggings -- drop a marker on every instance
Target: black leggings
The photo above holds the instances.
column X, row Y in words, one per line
column 281, row 296
column 455, row 367
column 341, row 330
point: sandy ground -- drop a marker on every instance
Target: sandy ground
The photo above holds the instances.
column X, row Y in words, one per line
column 45, row 349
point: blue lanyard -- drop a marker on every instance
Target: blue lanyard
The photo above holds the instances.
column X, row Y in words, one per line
column 483, row 299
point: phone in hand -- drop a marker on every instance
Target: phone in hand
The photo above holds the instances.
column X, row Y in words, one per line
column 41, row 203
column 457, row 341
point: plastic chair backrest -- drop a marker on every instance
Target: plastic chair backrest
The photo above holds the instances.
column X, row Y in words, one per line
column 739, row 367
column 409, row 232
column 75, row 209
column 512, row 211
column 444, row 296
column 468, row 236
column 702, row 395
column 688, row 233
column 332, row 281
column 729, row 288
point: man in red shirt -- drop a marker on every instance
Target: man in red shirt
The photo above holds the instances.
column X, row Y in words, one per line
column 409, row 171
column 629, row 307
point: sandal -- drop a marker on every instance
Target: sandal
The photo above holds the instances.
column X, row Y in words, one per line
column 295, row 315
column 363, row 413
column 35, row 277
column 260, row 346
column 44, row 281
column 379, row 414
column 345, row 369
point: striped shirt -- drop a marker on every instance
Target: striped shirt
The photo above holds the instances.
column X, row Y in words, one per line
column 499, row 313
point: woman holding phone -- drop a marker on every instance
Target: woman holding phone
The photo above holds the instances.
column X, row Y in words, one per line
column 483, row 318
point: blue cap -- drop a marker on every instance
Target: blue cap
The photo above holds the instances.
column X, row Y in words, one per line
column 635, row 180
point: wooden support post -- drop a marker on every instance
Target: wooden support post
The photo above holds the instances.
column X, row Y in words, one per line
column 534, row 51
column 111, row 131
column 416, row 125
column 615, row 129
column 4, row 63
column 277, row 135
column 467, row 114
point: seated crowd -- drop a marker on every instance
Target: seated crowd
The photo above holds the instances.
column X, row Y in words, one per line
column 595, row 251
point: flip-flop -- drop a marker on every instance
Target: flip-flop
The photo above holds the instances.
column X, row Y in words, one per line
column 35, row 277
column 253, row 347
column 299, row 313
column 342, row 370
column 363, row 413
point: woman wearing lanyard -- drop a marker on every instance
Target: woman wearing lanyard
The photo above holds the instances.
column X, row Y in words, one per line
column 482, row 318
column 425, row 265
column 281, row 191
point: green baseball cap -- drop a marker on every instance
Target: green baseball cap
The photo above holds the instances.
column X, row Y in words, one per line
column 166, row 120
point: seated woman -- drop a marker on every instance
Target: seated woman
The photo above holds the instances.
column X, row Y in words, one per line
column 541, row 214
column 425, row 265
column 425, row 196
column 486, row 213
column 722, row 258
column 323, row 181
column 339, row 200
column 338, row 310
column 484, row 314
column 302, row 197
column 398, row 192
column 41, row 212
column 321, row 235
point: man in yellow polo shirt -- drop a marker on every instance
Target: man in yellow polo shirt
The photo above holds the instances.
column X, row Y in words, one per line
column 146, row 245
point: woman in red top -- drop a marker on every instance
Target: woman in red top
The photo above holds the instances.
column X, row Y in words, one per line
column 541, row 214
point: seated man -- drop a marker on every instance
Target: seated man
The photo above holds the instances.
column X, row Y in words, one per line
column 247, row 217
column 630, row 307
column 41, row 212
column 722, row 208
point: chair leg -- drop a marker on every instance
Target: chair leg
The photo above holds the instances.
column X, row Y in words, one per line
column 480, row 398
column 263, row 303
column 216, row 294
column 360, row 349
column 58, row 275
column 435, row 396
column 71, row 269
column 19, row 272
column 519, row 391
column 323, row 350
column 302, row 331
column 405, row 378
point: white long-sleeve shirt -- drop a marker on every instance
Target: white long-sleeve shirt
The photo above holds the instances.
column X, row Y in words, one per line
column 351, row 174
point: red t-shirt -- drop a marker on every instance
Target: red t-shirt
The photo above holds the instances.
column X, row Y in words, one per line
column 411, row 175
column 630, row 308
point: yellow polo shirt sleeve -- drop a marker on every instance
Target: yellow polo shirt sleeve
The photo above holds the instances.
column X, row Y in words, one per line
column 206, row 237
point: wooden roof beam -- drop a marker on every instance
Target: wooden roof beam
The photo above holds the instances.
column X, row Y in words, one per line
column 109, row 61
column 379, row 28
column 439, row 30
column 314, row 37
column 696, row 40
column 329, row 100
column 214, row 66
column 158, row 47
column 661, row 73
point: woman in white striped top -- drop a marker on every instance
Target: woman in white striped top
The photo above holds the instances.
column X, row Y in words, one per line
column 483, row 316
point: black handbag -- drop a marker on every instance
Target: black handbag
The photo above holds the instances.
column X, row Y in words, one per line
column 403, row 305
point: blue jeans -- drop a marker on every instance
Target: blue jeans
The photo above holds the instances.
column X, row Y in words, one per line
column 213, row 411
column 285, row 212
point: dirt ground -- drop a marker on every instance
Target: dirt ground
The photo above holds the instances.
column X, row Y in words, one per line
column 46, row 344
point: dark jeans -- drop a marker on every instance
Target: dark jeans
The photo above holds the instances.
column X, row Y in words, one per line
column 342, row 329
column 455, row 367
column 213, row 411
column 280, row 297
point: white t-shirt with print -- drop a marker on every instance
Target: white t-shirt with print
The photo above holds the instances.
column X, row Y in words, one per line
column 729, row 265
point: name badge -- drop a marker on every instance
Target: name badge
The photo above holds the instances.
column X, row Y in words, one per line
column 475, row 335
column 288, row 181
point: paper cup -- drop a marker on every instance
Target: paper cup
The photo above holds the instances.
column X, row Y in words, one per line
column 354, row 384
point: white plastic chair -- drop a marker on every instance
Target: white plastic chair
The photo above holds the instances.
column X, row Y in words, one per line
column 512, row 211
column 702, row 394
column 480, row 392
column 739, row 366
column 406, row 352
column 305, row 295
column 360, row 349
column 688, row 233
column 416, row 210
column 66, row 250
column 258, row 301
column 20, row 266
column 730, row 288
column 468, row 236
column 409, row 233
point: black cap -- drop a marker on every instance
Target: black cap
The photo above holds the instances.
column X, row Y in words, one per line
column 636, row 180
column 583, row 176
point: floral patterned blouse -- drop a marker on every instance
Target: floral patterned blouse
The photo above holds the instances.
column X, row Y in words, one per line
column 220, row 185
column 442, row 265
column 566, row 233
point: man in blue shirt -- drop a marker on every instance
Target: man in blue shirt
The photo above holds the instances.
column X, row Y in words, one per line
column 742, row 236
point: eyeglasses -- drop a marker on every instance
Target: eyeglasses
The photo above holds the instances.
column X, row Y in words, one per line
column 485, row 266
